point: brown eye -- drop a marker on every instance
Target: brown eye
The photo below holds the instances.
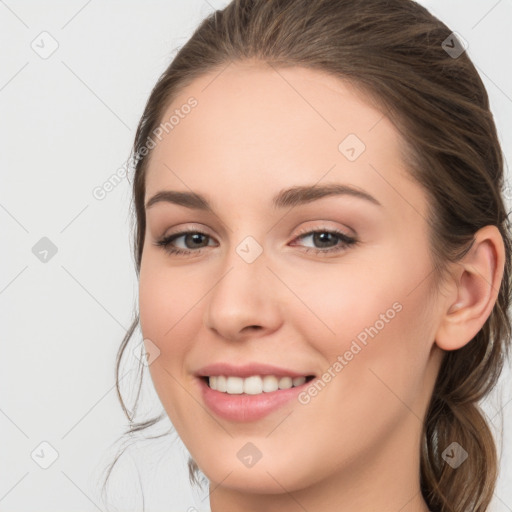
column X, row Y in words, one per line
column 325, row 240
column 192, row 240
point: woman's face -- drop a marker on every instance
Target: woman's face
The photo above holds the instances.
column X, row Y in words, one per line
column 259, row 287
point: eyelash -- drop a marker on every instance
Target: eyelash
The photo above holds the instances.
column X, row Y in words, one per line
column 346, row 242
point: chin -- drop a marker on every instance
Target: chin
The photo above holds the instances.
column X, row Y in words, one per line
column 271, row 477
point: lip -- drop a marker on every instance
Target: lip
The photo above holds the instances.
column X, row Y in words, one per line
column 248, row 370
column 245, row 408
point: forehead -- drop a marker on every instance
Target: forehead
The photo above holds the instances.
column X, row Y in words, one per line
column 261, row 127
column 259, row 103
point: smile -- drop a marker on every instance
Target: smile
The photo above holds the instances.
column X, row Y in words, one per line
column 246, row 407
column 255, row 384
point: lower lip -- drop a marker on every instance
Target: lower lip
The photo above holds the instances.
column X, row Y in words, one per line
column 244, row 407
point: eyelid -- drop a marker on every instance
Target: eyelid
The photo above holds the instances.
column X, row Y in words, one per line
column 325, row 227
column 345, row 241
column 186, row 228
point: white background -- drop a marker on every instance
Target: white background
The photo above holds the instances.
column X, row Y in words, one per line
column 66, row 126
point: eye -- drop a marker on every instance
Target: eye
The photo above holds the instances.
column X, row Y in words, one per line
column 195, row 238
column 327, row 240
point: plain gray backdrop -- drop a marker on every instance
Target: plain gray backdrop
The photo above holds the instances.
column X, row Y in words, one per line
column 74, row 78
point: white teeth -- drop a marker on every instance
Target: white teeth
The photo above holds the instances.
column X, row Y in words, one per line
column 221, row 384
column 298, row 381
column 253, row 385
column 270, row 383
column 235, row 385
column 285, row 383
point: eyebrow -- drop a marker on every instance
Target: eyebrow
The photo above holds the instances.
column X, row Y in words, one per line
column 285, row 198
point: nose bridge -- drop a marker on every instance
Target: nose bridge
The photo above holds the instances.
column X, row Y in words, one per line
column 243, row 295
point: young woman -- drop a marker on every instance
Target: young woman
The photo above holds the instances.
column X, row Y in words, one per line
column 324, row 258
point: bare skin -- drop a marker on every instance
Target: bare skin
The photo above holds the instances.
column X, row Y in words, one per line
column 355, row 445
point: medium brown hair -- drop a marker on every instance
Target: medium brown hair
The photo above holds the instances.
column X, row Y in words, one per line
column 394, row 51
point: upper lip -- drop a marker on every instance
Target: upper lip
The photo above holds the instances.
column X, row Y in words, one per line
column 247, row 370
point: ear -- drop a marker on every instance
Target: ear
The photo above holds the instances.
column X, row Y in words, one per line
column 473, row 293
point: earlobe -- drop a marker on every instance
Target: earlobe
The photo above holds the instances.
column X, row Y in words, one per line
column 476, row 283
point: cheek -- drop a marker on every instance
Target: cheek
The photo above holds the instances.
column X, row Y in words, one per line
column 167, row 301
column 336, row 304
column 374, row 362
column 377, row 319
column 170, row 318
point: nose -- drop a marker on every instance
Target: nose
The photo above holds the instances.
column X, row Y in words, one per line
column 244, row 301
